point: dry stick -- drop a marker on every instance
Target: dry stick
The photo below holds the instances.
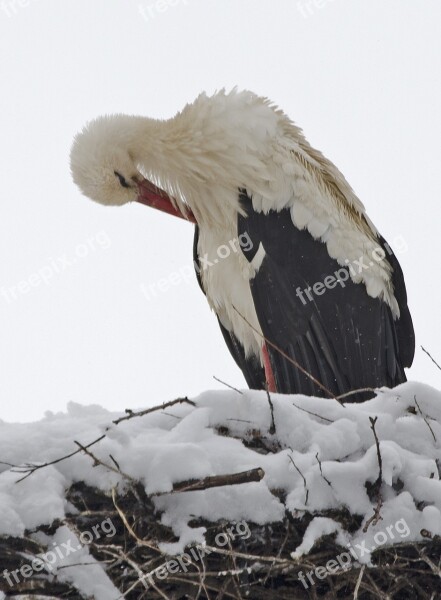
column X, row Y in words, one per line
column 129, row 528
column 312, row 413
column 188, row 485
column 233, row 574
column 29, row 468
column 431, row 357
column 302, row 476
column 281, row 549
column 321, row 472
column 377, row 444
column 360, row 577
column 131, row 414
column 202, row 577
column 380, row 594
column 255, row 557
column 289, row 359
column 352, row 392
column 427, row 422
column 227, row 385
column 97, row 461
column 215, row 481
column 122, row 556
column 376, row 516
column 136, row 583
column 272, row 428
column 195, row 583
column 115, row 462
column 140, row 574
column 435, row 569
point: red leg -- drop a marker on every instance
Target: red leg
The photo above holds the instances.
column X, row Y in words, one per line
column 269, row 375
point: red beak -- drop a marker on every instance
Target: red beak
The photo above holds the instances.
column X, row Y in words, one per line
column 150, row 195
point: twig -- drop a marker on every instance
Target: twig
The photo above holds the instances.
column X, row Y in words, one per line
column 131, row 414
column 373, row 421
column 312, row 413
column 302, row 476
column 221, row 593
column 431, row 357
column 377, row 484
column 435, row 569
column 427, row 422
column 29, row 468
column 352, row 392
column 129, row 528
column 272, row 429
column 97, row 461
column 234, row 571
column 321, row 472
column 376, row 516
column 227, row 385
column 282, row 547
column 253, row 557
column 215, row 481
column 360, row 577
column 115, row 462
column 289, row 359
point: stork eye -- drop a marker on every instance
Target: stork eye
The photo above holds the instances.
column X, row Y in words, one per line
column 122, row 181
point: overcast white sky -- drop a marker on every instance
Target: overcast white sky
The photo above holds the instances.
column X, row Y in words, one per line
column 362, row 78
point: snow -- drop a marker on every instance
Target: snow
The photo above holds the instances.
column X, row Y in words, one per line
column 84, row 572
column 322, row 456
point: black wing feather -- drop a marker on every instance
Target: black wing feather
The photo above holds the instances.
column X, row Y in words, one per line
column 343, row 337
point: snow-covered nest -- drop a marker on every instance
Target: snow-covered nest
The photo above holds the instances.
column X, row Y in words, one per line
column 342, row 501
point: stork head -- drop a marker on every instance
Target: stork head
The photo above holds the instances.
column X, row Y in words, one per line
column 101, row 163
column 104, row 166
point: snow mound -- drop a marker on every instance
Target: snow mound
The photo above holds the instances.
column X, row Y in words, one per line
column 322, row 457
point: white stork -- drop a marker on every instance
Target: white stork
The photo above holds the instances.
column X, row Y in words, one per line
column 310, row 299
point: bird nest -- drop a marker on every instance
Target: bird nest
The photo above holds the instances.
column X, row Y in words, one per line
column 238, row 561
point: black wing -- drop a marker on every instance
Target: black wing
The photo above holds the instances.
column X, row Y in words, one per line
column 343, row 337
column 250, row 366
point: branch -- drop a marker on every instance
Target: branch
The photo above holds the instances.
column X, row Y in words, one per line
column 312, row 413
column 352, row 392
column 360, row 577
column 377, row 444
column 129, row 528
column 227, row 385
column 97, row 461
column 377, row 484
column 431, row 357
column 29, row 468
column 427, row 422
column 302, row 476
column 131, row 414
column 193, row 485
column 272, row 429
column 321, row 472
